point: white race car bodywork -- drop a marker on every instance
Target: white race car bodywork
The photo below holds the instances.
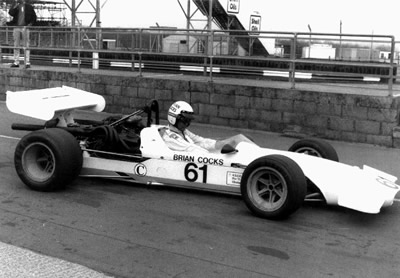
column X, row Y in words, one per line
column 46, row 104
column 366, row 190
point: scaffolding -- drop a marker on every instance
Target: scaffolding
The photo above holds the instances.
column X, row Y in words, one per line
column 83, row 8
column 84, row 13
column 49, row 13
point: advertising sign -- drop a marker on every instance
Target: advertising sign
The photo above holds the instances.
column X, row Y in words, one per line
column 233, row 6
column 255, row 24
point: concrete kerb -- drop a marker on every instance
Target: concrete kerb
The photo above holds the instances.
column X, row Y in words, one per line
column 17, row 262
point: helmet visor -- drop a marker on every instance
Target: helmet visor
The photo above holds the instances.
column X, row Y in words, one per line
column 189, row 115
column 186, row 117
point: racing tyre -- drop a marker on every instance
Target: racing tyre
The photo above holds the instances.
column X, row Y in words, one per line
column 273, row 187
column 48, row 159
column 315, row 147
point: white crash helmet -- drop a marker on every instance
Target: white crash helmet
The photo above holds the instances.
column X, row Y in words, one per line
column 179, row 109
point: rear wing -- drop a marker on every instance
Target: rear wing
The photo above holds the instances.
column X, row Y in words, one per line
column 58, row 102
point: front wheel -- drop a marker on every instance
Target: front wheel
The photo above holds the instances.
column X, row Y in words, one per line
column 273, row 187
column 48, row 159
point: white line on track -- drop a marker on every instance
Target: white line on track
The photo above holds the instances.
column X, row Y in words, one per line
column 9, row 137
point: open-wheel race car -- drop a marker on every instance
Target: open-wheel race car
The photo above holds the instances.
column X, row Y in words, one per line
column 273, row 183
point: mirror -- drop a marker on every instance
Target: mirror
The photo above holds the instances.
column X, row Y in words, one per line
column 228, row 149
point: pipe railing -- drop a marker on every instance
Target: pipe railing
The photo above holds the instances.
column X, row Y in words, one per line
column 83, row 45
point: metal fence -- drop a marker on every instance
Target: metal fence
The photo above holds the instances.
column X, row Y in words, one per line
column 271, row 55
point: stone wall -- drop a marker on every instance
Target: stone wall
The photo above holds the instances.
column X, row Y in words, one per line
column 347, row 117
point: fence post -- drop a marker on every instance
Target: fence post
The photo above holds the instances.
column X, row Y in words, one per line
column 212, row 53
column 79, row 60
column 140, row 64
column 51, row 37
column 140, row 38
column 25, row 43
column 292, row 63
column 211, row 69
column 391, row 76
column 133, row 61
column 99, row 46
column 80, row 46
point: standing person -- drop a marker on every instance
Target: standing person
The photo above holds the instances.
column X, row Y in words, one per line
column 23, row 15
column 3, row 16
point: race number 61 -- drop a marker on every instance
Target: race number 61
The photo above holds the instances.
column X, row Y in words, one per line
column 193, row 172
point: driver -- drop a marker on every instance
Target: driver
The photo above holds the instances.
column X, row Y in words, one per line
column 179, row 138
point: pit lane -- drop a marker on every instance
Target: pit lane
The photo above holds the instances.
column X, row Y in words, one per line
column 128, row 230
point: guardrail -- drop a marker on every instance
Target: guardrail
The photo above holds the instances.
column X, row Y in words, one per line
column 296, row 56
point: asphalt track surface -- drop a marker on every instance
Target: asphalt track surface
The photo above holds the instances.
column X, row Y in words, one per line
column 101, row 228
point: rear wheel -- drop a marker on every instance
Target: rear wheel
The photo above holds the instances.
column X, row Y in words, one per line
column 273, row 187
column 315, row 147
column 48, row 159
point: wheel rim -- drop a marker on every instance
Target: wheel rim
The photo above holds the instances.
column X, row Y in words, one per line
column 38, row 162
column 309, row 151
column 267, row 188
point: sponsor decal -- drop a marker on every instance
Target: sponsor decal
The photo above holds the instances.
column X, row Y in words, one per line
column 200, row 159
column 140, row 170
column 186, row 158
column 233, row 178
column 210, row 160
